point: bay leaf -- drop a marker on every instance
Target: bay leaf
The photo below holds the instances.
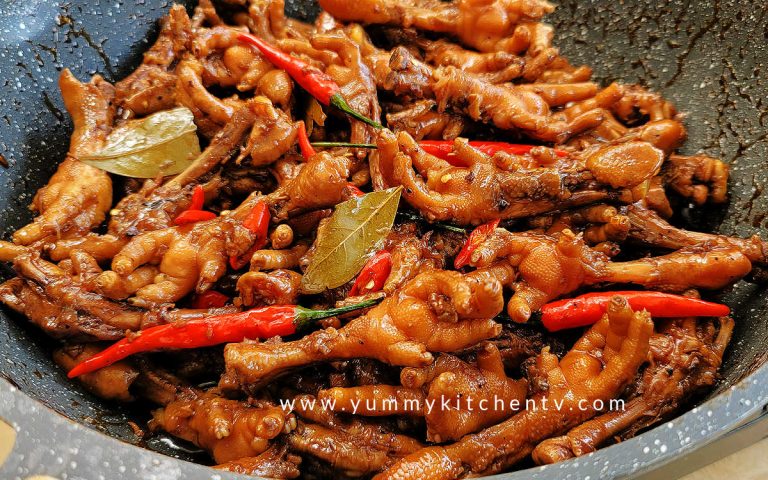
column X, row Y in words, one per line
column 354, row 232
column 164, row 143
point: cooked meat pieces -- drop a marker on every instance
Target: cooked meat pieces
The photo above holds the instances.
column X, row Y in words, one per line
column 61, row 298
column 494, row 67
column 437, row 311
column 406, row 75
column 155, row 206
column 597, row 223
column 99, row 247
column 9, row 251
column 188, row 257
column 319, row 184
column 289, row 258
column 518, row 344
column 685, row 355
column 267, row 19
column 666, row 135
column 647, row 227
column 356, row 81
column 584, row 183
column 111, row 383
column 355, row 447
column 159, row 385
column 210, row 112
column 56, row 320
column 699, row 178
column 265, row 124
column 487, row 26
column 422, row 120
column 472, row 391
column 509, row 108
column 228, row 63
column 483, row 190
column 278, row 287
column 341, row 449
column 638, row 102
column 411, row 254
column 549, row 267
column 276, row 462
column 77, row 196
column 621, row 338
column 272, row 135
column 228, row 429
column 152, row 86
column 523, row 108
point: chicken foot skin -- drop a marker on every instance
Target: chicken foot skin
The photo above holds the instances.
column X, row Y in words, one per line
column 482, row 24
column 581, row 376
column 551, row 266
column 188, row 257
column 78, row 196
column 229, row 429
column 437, row 311
column 647, row 227
column 355, row 446
column 683, row 361
column 485, row 189
column 466, row 386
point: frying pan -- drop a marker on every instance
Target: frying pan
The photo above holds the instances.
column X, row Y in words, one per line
column 708, row 57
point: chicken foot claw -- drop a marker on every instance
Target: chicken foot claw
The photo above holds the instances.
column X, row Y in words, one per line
column 551, row 266
column 595, row 370
column 437, row 311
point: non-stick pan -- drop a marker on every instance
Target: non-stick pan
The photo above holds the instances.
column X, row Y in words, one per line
column 709, row 57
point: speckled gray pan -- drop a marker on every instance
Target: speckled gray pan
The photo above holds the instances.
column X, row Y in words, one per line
column 709, row 57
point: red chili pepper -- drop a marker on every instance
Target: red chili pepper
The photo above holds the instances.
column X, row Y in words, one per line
column 307, row 150
column 265, row 322
column 198, row 198
column 257, row 222
column 318, row 83
column 475, row 239
column 195, row 212
column 587, row 309
column 354, row 190
column 193, row 216
column 210, row 299
column 373, row 275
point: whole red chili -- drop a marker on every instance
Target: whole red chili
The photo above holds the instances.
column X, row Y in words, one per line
column 193, row 216
column 373, row 275
column 210, row 299
column 318, row 83
column 307, row 151
column 475, row 239
column 264, row 322
column 257, row 222
column 587, row 309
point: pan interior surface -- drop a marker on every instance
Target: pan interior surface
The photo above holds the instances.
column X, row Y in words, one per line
column 707, row 57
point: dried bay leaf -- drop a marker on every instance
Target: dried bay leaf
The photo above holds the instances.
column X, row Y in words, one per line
column 352, row 234
column 164, row 143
